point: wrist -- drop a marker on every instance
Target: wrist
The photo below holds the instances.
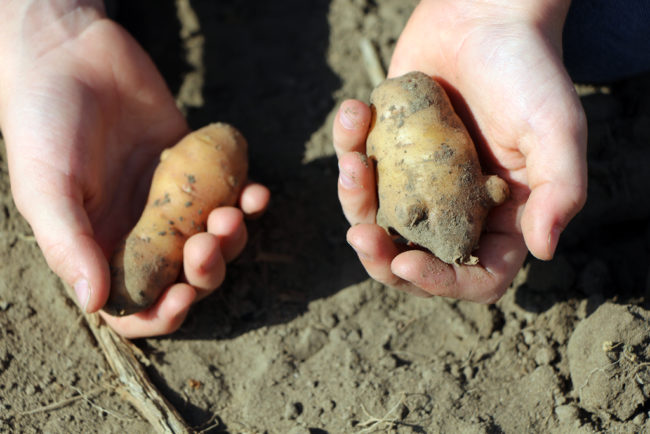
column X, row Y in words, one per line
column 32, row 27
column 547, row 16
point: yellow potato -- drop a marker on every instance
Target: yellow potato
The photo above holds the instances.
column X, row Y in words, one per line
column 430, row 185
column 205, row 170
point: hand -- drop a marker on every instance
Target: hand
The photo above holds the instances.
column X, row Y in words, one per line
column 85, row 114
column 501, row 65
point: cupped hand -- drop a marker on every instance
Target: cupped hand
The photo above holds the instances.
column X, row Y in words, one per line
column 85, row 115
column 501, row 65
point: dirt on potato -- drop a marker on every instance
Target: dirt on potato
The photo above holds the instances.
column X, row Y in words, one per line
column 431, row 189
column 298, row 339
column 150, row 257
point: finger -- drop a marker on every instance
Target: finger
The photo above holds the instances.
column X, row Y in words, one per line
column 356, row 188
column 376, row 251
column 203, row 263
column 350, row 127
column 65, row 236
column 227, row 224
column 500, row 259
column 254, row 200
column 557, row 174
column 164, row 317
column 47, row 192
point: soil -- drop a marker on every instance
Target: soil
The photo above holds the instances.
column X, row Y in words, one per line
column 299, row 339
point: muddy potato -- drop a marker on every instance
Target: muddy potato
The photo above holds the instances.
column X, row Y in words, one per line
column 205, row 170
column 430, row 185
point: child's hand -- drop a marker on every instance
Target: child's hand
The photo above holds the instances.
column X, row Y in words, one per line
column 501, row 64
column 85, row 114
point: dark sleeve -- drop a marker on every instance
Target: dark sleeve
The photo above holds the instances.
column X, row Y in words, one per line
column 607, row 40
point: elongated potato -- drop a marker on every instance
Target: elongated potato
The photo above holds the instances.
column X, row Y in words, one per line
column 205, row 170
column 430, row 186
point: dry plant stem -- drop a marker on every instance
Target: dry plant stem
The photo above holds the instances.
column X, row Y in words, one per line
column 374, row 423
column 144, row 396
column 59, row 404
column 372, row 62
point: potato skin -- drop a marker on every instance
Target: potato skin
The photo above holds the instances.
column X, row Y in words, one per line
column 430, row 186
column 205, row 170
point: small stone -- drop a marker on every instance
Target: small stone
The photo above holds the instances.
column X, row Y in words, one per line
column 330, row 320
column 545, row 356
column 354, row 336
column 338, row 335
column 388, row 362
column 454, row 370
column 468, row 372
column 567, row 414
column 560, row 399
column 639, row 419
column 529, row 337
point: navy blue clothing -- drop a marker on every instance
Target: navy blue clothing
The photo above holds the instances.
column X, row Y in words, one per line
column 607, row 40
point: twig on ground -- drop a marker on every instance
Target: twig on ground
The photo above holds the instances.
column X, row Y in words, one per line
column 86, row 398
column 371, row 61
column 627, row 354
column 59, row 404
column 136, row 385
column 211, row 424
column 374, row 423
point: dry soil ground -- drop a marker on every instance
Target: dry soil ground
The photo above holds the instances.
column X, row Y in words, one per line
column 299, row 339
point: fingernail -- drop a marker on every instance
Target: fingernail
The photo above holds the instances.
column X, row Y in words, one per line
column 346, row 179
column 349, row 118
column 554, row 238
column 82, row 289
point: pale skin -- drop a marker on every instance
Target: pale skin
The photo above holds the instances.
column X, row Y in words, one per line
column 501, row 63
column 85, row 114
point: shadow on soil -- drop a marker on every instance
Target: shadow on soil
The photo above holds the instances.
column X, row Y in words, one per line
column 266, row 73
column 604, row 252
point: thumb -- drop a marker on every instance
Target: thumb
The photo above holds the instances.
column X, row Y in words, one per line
column 556, row 164
column 54, row 209
column 48, row 141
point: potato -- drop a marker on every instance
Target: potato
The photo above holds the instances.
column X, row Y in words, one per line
column 205, row 170
column 430, row 186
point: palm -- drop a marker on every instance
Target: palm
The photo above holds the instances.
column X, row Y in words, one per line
column 113, row 112
column 512, row 79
